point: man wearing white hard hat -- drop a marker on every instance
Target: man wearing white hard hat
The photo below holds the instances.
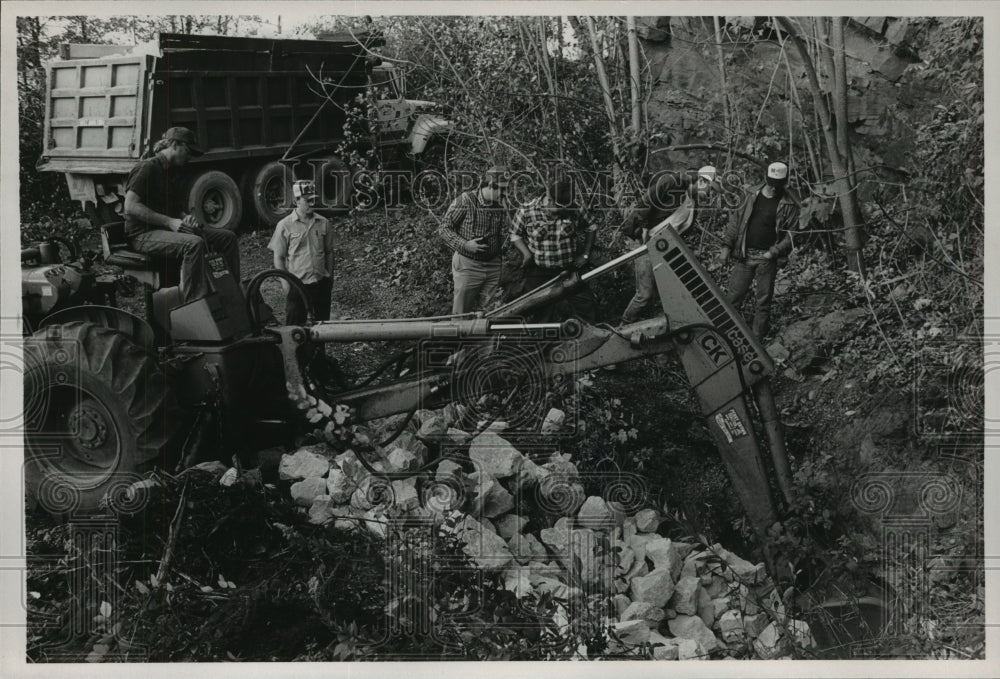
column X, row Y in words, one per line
column 760, row 234
column 671, row 199
column 303, row 246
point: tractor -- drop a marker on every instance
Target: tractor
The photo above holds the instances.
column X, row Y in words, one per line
column 108, row 395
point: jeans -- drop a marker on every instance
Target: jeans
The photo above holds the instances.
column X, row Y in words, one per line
column 763, row 271
column 580, row 303
column 645, row 290
column 190, row 250
column 319, row 295
column 475, row 282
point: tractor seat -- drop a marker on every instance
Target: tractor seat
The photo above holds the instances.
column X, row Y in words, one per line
column 151, row 269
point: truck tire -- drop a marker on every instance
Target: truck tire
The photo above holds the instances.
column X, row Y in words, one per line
column 97, row 413
column 214, row 198
column 270, row 191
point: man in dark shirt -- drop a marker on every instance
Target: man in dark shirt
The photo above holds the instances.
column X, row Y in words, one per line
column 474, row 227
column 759, row 234
column 156, row 222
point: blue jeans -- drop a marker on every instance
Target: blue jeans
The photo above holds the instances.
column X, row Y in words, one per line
column 191, row 250
column 645, row 290
column 763, row 272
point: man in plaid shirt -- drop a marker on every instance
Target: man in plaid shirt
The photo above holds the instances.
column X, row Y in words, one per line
column 547, row 232
column 474, row 228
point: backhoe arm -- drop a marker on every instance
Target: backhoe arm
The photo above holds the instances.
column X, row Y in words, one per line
column 723, row 360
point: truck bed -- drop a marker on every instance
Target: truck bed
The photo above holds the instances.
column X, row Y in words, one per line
column 243, row 97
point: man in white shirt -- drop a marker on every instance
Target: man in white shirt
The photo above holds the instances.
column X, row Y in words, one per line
column 303, row 246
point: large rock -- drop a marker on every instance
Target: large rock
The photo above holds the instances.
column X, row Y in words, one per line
column 754, row 624
column 553, row 421
column 620, row 603
column 304, row 463
column 528, row 476
column 647, row 520
column 628, row 634
column 527, row 548
column 804, row 344
column 663, row 554
column 731, row 627
column 736, row 567
column 405, row 495
column 692, row 627
column 403, row 460
column 488, row 550
column 655, row 588
column 516, row 580
column 685, row 597
column 490, row 499
column 557, row 537
column 626, row 557
column 348, row 463
column 663, row 648
column 706, row 609
column 510, row 525
column 595, row 513
column 801, row 634
column 771, row 643
column 643, row 610
column 495, row 456
column 433, row 427
column 446, row 469
column 339, row 486
column 307, row 490
column 689, row 649
column 457, row 437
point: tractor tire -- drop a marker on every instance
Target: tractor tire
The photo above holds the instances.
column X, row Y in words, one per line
column 270, row 194
column 97, row 413
column 214, row 198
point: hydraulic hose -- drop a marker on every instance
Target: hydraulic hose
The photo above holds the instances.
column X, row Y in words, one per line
column 253, row 290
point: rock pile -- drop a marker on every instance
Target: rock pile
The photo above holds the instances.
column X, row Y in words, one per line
column 529, row 522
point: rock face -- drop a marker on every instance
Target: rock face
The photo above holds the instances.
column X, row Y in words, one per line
column 303, row 464
column 804, row 343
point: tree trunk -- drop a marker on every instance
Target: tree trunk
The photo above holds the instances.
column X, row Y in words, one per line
column 550, row 80
column 633, row 69
column 842, row 182
column 726, row 117
column 602, row 79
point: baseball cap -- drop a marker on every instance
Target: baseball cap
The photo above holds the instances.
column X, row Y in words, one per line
column 709, row 173
column 185, row 135
column 303, row 187
column 777, row 172
column 499, row 175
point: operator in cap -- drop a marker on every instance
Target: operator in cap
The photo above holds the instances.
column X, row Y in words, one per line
column 758, row 236
column 474, row 227
column 672, row 197
column 156, row 218
column 303, row 246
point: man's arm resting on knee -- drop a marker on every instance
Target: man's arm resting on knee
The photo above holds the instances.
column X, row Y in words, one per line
column 134, row 207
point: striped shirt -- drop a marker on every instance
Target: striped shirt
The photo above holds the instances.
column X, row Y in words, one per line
column 550, row 237
column 469, row 218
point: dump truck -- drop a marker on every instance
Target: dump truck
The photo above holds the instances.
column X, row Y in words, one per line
column 266, row 112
